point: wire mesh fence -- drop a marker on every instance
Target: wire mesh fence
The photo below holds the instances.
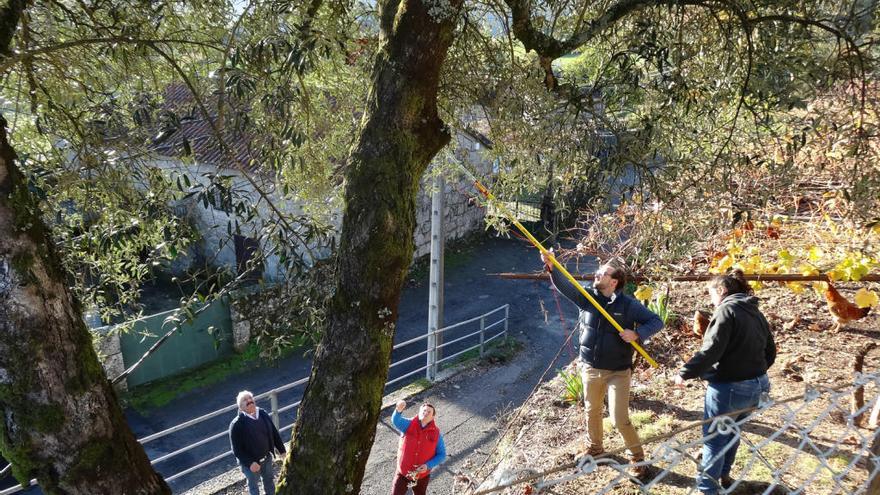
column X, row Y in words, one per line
column 818, row 442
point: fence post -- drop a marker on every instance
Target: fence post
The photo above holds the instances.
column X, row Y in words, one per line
column 482, row 333
column 273, row 400
column 506, row 318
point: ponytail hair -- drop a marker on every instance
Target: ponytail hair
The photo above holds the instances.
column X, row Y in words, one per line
column 733, row 282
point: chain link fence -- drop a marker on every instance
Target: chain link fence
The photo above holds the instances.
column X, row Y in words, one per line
column 818, row 442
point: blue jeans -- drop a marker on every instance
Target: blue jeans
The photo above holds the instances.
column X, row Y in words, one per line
column 719, row 452
column 253, row 479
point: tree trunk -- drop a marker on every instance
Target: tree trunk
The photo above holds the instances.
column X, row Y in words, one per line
column 61, row 422
column 401, row 133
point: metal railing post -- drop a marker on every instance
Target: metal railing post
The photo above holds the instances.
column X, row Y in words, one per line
column 273, row 401
column 506, row 318
column 482, row 334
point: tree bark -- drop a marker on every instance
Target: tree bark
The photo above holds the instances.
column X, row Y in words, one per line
column 61, row 421
column 401, row 133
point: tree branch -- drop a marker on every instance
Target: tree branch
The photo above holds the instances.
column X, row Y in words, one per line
column 550, row 47
column 10, row 60
column 227, row 151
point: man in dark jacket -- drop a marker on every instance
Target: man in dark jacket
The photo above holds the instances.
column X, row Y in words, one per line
column 605, row 356
column 254, row 439
column 737, row 350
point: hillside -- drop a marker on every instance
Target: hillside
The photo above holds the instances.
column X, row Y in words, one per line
column 796, row 444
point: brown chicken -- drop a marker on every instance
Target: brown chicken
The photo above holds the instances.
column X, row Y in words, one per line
column 701, row 322
column 842, row 310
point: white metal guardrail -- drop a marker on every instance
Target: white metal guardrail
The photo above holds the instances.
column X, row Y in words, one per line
column 484, row 329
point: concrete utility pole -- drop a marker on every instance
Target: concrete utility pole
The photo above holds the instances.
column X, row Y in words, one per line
column 435, row 289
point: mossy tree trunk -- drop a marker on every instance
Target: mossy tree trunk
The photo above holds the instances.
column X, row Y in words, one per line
column 401, row 133
column 60, row 421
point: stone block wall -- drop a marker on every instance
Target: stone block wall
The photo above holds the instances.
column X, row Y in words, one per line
column 463, row 215
column 463, row 210
column 110, row 354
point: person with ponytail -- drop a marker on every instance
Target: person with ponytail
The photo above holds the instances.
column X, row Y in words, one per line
column 737, row 350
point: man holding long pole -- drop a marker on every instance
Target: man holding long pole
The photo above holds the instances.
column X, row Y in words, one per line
column 606, row 354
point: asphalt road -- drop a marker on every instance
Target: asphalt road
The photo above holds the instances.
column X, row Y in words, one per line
column 467, row 405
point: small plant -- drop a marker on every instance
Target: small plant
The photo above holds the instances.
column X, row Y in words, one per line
column 574, row 387
column 660, row 306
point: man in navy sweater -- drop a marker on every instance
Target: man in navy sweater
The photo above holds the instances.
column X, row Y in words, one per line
column 254, row 439
column 605, row 355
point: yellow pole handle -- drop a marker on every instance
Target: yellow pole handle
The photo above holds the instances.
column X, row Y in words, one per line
column 537, row 244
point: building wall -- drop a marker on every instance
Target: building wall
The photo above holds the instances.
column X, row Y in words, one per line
column 463, row 211
column 216, row 248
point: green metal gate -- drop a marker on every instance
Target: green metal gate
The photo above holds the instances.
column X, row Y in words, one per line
column 189, row 347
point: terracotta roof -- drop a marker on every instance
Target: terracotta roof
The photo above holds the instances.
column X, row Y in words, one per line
column 196, row 130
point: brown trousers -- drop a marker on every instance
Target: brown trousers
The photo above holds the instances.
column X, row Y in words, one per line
column 616, row 383
column 398, row 486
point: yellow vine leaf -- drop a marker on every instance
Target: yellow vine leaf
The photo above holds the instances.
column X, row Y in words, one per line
column 837, row 274
column 733, row 249
column 815, row 253
column 808, row 270
column 856, row 272
column 756, row 285
column 796, row 287
column 644, row 293
column 722, row 265
column 865, row 298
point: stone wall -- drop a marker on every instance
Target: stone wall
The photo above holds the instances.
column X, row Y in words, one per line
column 463, row 215
column 109, row 351
column 463, row 211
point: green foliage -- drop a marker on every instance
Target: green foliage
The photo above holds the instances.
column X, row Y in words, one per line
column 502, row 350
column 659, row 305
column 574, row 387
column 289, row 314
column 160, row 392
column 498, row 351
column 686, row 116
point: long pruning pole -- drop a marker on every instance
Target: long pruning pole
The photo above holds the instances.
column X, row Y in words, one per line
column 504, row 211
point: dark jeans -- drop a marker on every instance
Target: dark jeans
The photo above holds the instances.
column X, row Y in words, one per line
column 720, row 452
column 253, row 479
column 398, row 486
